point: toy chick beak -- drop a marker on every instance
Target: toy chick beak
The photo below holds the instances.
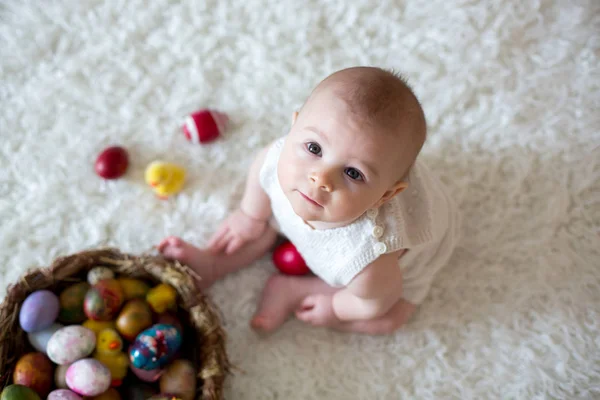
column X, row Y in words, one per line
column 153, row 184
column 113, row 345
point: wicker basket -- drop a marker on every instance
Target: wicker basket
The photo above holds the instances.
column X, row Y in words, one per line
column 198, row 314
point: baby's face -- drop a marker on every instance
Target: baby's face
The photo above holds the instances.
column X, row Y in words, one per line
column 334, row 167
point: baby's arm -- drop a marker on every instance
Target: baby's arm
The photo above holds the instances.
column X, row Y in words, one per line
column 371, row 293
column 250, row 220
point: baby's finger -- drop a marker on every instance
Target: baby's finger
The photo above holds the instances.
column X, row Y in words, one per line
column 219, row 240
column 168, row 241
column 307, row 304
column 234, row 245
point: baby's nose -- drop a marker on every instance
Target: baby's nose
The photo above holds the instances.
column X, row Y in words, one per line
column 322, row 179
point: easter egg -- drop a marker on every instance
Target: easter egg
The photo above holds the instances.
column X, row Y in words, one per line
column 35, row 371
column 204, row 125
column 179, row 379
column 162, row 298
column 165, row 396
column 134, row 318
column 18, row 392
column 71, row 343
column 88, row 377
column 112, row 162
column 39, row 340
column 60, row 376
column 98, row 274
column 137, row 391
column 38, row 311
column 63, row 394
column 103, row 301
column 110, row 394
column 97, row 326
column 155, row 347
column 170, row 319
column 146, row 375
column 71, row 303
column 288, row 260
column 133, row 288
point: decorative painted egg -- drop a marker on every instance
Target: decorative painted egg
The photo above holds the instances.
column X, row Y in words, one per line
column 63, row 394
column 165, row 396
column 39, row 340
column 88, row 377
column 71, row 303
column 110, row 394
column 35, row 371
column 204, row 125
column 170, row 319
column 146, row 375
column 70, row 344
column 98, row 274
column 38, row 311
column 137, row 391
column 155, row 347
column 18, row 392
column 133, row 288
column 162, row 297
column 97, row 326
column 134, row 318
column 60, row 376
column 103, row 301
column 112, row 162
column 179, row 379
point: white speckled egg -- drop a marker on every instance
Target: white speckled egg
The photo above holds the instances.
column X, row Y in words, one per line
column 98, row 274
column 88, row 377
column 70, row 344
column 39, row 340
column 63, row 394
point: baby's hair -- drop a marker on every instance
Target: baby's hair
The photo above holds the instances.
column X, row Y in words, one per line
column 384, row 99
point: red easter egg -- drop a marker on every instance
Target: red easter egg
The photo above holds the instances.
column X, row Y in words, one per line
column 205, row 125
column 112, row 162
column 103, row 301
column 288, row 260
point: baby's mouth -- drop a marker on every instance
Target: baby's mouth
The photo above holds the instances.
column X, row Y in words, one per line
column 310, row 200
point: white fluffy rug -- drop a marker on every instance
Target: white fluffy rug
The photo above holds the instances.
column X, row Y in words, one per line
column 511, row 90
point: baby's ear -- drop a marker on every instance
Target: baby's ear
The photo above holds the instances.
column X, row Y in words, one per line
column 294, row 117
column 391, row 192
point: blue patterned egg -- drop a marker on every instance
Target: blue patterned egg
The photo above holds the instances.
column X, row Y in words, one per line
column 38, row 311
column 155, row 347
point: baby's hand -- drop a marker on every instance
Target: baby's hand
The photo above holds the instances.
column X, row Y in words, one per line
column 317, row 310
column 237, row 230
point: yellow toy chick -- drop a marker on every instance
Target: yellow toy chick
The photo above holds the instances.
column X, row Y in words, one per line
column 108, row 351
column 161, row 298
column 165, row 178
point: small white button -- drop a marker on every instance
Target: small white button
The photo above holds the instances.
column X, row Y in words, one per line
column 380, row 248
column 372, row 213
column 377, row 231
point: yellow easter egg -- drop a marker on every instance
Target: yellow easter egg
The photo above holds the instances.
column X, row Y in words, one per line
column 133, row 288
column 162, row 298
column 134, row 318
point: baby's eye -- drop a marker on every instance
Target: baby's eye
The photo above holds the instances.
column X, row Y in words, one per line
column 354, row 174
column 314, row 148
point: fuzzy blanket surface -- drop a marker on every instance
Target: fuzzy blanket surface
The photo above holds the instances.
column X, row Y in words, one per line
column 511, row 90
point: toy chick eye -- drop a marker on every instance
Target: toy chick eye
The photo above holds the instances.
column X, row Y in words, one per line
column 353, row 174
column 314, row 148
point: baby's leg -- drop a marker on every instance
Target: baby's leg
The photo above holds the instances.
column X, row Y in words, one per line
column 282, row 295
column 212, row 267
column 387, row 324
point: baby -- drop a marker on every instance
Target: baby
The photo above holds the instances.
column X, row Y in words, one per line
column 345, row 186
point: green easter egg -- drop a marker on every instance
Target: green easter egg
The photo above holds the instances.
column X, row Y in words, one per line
column 18, row 392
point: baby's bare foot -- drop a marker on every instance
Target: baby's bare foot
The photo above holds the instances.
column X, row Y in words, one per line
column 201, row 261
column 280, row 297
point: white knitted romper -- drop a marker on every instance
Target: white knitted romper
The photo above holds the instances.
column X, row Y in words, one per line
column 422, row 219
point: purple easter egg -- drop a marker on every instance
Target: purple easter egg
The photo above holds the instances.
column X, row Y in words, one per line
column 38, row 311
